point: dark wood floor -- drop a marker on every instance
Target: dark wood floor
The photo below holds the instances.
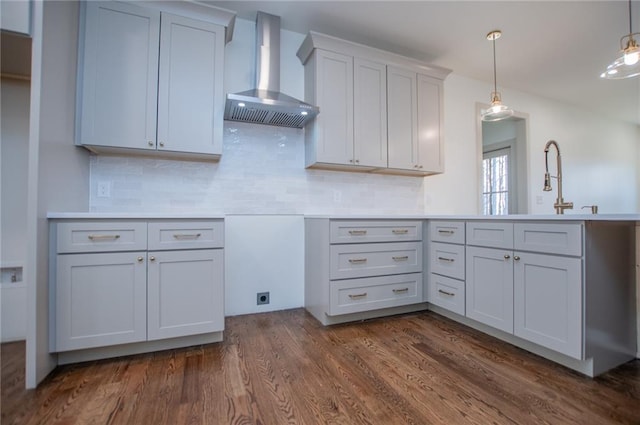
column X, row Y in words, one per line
column 284, row 368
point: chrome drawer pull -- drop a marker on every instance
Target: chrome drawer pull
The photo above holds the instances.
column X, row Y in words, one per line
column 357, row 260
column 103, row 237
column 451, row 294
column 400, row 291
column 446, row 232
column 357, row 232
column 403, row 258
column 187, row 236
column 400, row 231
column 355, row 296
column 448, row 260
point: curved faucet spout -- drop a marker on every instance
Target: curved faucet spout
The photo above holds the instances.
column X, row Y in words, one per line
column 560, row 205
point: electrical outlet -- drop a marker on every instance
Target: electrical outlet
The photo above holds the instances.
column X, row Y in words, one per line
column 104, row 189
column 263, row 298
column 539, row 200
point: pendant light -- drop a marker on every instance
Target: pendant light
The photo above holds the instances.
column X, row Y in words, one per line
column 627, row 65
column 497, row 111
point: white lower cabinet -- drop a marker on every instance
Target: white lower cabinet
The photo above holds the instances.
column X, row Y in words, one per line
column 548, row 302
column 359, row 269
column 182, row 300
column 489, row 294
column 101, row 299
column 107, row 294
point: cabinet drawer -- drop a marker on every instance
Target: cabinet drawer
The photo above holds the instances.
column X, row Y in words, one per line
column 564, row 239
column 101, row 236
column 375, row 231
column 355, row 295
column 446, row 259
column 186, row 235
column 490, row 234
column 447, row 293
column 362, row 260
column 446, row 231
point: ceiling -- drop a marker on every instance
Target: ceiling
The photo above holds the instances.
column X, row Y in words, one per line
column 553, row 49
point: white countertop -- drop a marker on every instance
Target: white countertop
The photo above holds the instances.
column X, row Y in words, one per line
column 130, row 216
column 203, row 216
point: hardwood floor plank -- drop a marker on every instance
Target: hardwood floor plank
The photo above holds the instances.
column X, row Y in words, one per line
column 285, row 368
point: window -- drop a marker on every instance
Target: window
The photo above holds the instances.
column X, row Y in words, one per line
column 495, row 192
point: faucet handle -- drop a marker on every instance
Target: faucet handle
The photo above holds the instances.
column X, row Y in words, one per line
column 594, row 208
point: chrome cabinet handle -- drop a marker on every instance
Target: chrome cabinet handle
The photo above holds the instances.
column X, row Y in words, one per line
column 451, row 294
column 161, row 144
column 400, row 231
column 103, row 237
column 140, row 259
column 515, row 257
column 448, row 260
column 403, row 258
column 150, row 143
column 446, row 232
column 355, row 296
column 152, row 258
column 187, row 236
column 357, row 260
column 357, row 232
column 507, row 256
column 400, row 291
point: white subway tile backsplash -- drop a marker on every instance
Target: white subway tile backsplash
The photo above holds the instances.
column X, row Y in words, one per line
column 261, row 172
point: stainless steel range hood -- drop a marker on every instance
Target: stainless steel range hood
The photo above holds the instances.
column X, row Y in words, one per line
column 265, row 104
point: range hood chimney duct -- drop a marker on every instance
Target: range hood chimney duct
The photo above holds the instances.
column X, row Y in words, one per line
column 265, row 104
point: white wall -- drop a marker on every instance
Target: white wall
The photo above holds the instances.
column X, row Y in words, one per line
column 58, row 171
column 599, row 155
column 14, row 143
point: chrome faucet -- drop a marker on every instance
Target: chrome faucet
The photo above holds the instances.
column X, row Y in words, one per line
column 560, row 204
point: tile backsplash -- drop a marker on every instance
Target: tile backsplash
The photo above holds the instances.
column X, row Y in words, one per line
column 261, row 172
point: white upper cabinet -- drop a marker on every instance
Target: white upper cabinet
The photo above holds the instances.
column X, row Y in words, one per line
column 119, row 76
column 379, row 111
column 150, row 82
column 15, row 16
column 369, row 114
column 190, row 87
column 329, row 138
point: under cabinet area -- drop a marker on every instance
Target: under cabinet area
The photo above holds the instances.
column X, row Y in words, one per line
column 120, row 282
column 357, row 269
column 151, row 82
column 380, row 112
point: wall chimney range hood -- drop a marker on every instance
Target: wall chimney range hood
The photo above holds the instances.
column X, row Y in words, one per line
column 265, row 104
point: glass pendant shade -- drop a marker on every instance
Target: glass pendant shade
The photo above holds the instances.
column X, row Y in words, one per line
column 497, row 111
column 627, row 65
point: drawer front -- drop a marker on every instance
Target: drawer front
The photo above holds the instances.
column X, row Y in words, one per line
column 363, row 260
column 346, row 231
column 447, row 259
column 356, row 295
column 447, row 293
column 447, row 231
column 490, row 234
column 186, row 234
column 549, row 238
column 101, row 236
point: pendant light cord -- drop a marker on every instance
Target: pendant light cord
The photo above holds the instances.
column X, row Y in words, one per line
column 495, row 78
column 630, row 27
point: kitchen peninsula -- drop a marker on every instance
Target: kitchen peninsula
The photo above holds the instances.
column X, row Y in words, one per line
column 559, row 286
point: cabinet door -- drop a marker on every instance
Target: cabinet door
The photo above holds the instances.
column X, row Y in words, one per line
column 119, row 72
column 430, row 122
column 190, row 98
column 185, row 290
column 489, row 289
column 101, row 299
column 402, row 113
column 548, row 302
column 334, row 96
column 370, row 113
